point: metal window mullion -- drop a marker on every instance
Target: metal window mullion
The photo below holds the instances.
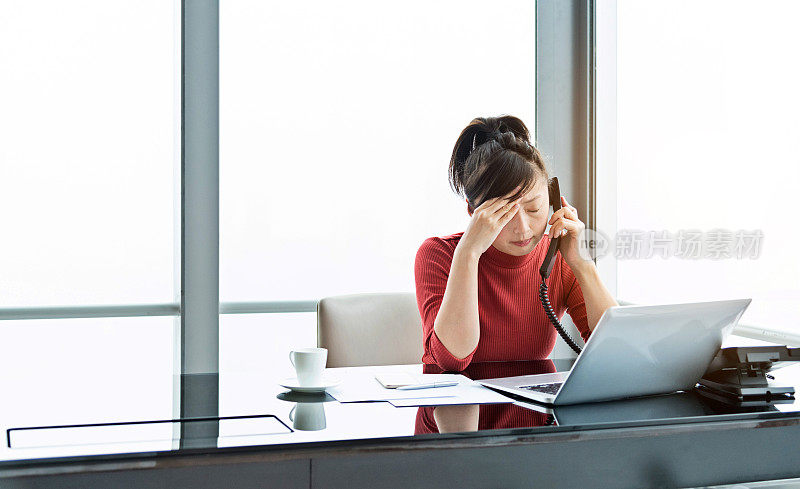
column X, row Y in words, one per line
column 606, row 136
column 90, row 311
column 591, row 107
column 198, row 338
column 565, row 97
column 196, row 342
column 267, row 307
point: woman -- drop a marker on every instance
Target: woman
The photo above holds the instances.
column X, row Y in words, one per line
column 477, row 290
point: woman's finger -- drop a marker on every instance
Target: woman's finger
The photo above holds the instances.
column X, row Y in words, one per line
column 505, row 206
column 564, row 203
column 558, row 215
column 501, row 203
column 571, row 213
column 565, row 212
column 494, row 205
column 509, row 214
column 565, row 226
column 499, row 208
column 556, row 228
column 573, row 227
column 487, row 203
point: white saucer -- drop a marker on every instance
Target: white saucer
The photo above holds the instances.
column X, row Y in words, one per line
column 293, row 384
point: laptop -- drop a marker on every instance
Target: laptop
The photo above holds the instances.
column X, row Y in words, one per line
column 636, row 351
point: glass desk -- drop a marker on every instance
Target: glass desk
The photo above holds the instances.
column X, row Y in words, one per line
column 44, row 435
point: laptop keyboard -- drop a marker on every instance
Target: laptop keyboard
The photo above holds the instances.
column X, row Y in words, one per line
column 546, row 388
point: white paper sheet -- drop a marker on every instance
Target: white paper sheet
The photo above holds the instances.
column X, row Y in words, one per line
column 361, row 386
column 473, row 393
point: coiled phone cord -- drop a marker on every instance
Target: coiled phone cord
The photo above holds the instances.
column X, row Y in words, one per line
column 548, row 309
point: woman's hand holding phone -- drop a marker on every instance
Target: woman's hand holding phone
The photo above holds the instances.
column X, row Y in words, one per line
column 566, row 225
column 487, row 221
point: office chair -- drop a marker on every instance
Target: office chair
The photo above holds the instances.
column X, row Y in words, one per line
column 370, row 329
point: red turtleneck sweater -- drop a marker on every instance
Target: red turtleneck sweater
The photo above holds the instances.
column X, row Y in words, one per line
column 513, row 323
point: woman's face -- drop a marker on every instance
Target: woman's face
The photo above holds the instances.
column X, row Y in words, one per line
column 521, row 234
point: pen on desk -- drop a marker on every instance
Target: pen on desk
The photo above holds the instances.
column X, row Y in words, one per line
column 427, row 386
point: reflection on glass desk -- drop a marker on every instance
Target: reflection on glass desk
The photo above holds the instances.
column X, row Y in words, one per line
column 143, row 431
column 523, row 413
column 310, row 419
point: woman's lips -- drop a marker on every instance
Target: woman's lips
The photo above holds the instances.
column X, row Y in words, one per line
column 522, row 243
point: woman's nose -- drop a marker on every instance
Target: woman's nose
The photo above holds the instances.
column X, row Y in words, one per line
column 520, row 224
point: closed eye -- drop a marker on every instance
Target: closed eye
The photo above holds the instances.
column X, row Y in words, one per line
column 534, row 210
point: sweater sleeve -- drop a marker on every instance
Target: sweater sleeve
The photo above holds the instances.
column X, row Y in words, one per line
column 573, row 298
column 431, row 269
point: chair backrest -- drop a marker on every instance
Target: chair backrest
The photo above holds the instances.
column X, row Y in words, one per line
column 370, row 329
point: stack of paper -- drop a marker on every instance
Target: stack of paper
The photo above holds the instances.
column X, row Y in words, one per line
column 361, row 386
column 472, row 393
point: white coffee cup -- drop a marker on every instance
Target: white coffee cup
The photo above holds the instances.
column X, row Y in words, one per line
column 309, row 363
column 308, row 416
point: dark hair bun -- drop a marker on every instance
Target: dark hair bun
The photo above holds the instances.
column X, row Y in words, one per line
column 492, row 156
column 484, row 129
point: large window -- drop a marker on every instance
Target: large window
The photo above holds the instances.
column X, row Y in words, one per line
column 86, row 160
column 337, row 120
column 707, row 165
column 336, row 127
column 88, row 125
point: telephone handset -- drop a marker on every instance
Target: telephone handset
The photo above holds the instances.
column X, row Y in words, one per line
column 555, row 201
column 547, row 267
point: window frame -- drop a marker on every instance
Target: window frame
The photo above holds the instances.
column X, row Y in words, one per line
column 564, row 45
column 575, row 60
